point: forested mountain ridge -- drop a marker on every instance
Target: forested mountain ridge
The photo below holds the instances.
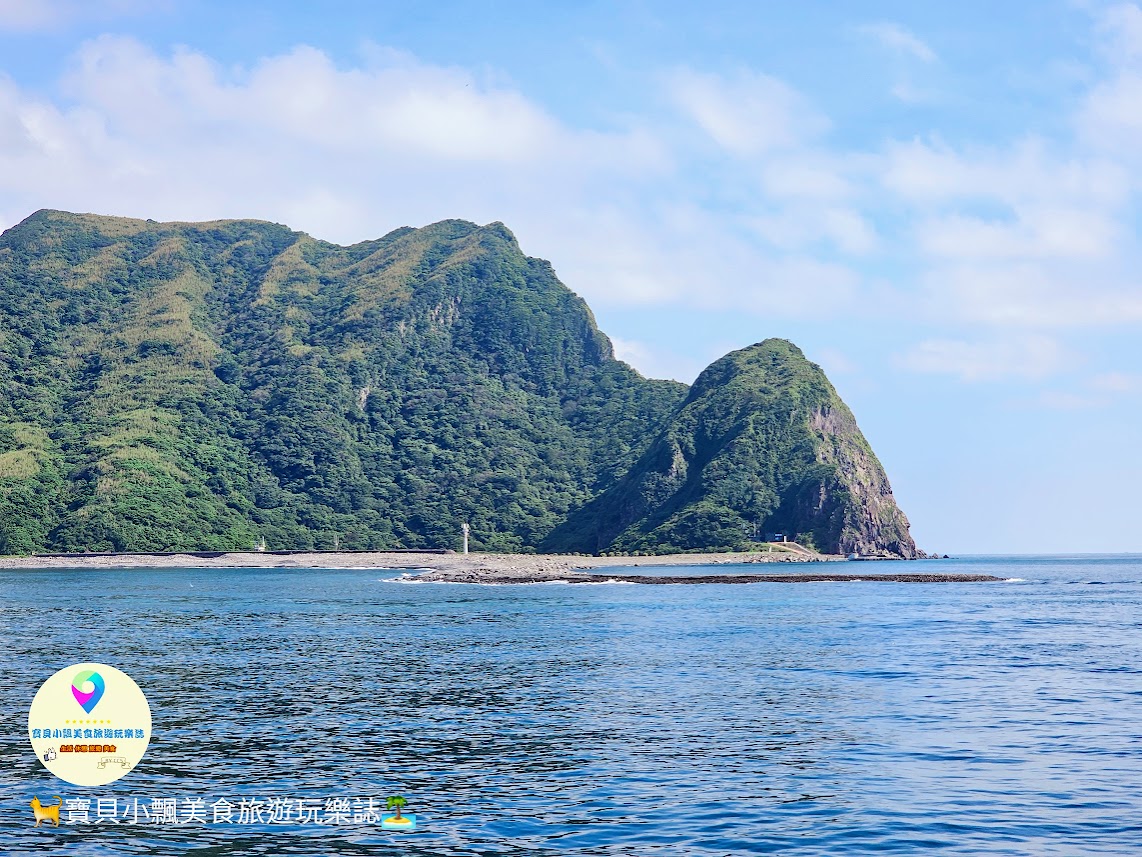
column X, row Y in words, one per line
column 168, row 386
column 763, row 445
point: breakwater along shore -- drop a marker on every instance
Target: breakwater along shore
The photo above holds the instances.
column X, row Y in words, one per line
column 707, row 578
column 447, row 567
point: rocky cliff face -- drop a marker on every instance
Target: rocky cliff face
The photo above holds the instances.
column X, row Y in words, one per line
column 871, row 523
column 761, row 445
column 202, row 386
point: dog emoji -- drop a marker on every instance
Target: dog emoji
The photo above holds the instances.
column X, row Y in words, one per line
column 46, row 813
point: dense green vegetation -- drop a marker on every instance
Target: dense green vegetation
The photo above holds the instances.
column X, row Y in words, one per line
column 202, row 386
column 762, row 445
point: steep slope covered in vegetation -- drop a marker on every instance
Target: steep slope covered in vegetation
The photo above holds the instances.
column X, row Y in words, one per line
column 202, row 386
column 762, row 445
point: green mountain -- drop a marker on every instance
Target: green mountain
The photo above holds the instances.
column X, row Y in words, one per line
column 761, row 445
column 175, row 386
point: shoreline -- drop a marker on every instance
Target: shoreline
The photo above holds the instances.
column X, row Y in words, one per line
column 429, row 561
column 484, row 567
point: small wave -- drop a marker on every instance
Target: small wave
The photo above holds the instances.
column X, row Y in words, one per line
column 1014, row 580
column 607, row 582
column 412, row 579
column 546, row 583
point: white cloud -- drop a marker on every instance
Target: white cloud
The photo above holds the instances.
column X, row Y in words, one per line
column 350, row 153
column 1027, row 358
column 26, row 14
column 1031, row 294
column 897, row 38
column 1109, row 117
column 910, row 94
column 849, row 230
column 1037, row 232
column 807, row 175
column 345, row 153
column 747, row 114
column 398, row 106
column 1120, row 30
column 835, row 362
column 933, row 173
column 801, row 228
column 32, row 15
column 1062, row 400
column 654, row 362
column 1030, row 234
column 685, row 255
column 1116, row 382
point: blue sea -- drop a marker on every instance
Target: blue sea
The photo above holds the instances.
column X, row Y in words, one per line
column 610, row 719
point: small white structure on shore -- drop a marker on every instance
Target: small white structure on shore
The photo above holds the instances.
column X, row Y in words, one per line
column 465, row 528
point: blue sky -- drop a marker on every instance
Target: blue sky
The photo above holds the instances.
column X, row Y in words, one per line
column 937, row 202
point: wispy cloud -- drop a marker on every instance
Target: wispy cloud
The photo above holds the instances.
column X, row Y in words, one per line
column 1028, row 234
column 895, row 37
column 180, row 137
column 835, row 362
column 656, row 362
column 1119, row 29
column 1063, row 400
column 748, row 113
column 1028, row 358
column 39, row 15
column 1116, row 382
column 1029, row 294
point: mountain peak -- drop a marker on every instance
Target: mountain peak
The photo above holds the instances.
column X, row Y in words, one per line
column 174, row 386
column 762, row 444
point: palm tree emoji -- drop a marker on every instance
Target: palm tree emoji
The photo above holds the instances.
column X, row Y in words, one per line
column 395, row 802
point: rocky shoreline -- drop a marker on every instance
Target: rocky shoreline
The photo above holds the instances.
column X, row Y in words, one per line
column 580, row 577
column 592, row 570
column 490, row 568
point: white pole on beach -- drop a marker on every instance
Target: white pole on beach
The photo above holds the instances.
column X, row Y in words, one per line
column 465, row 528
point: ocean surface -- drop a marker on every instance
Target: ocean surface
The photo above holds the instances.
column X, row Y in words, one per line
column 800, row 719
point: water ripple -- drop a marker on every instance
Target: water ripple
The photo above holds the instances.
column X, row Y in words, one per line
column 607, row 720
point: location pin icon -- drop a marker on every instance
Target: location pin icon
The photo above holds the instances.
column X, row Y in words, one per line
column 88, row 698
